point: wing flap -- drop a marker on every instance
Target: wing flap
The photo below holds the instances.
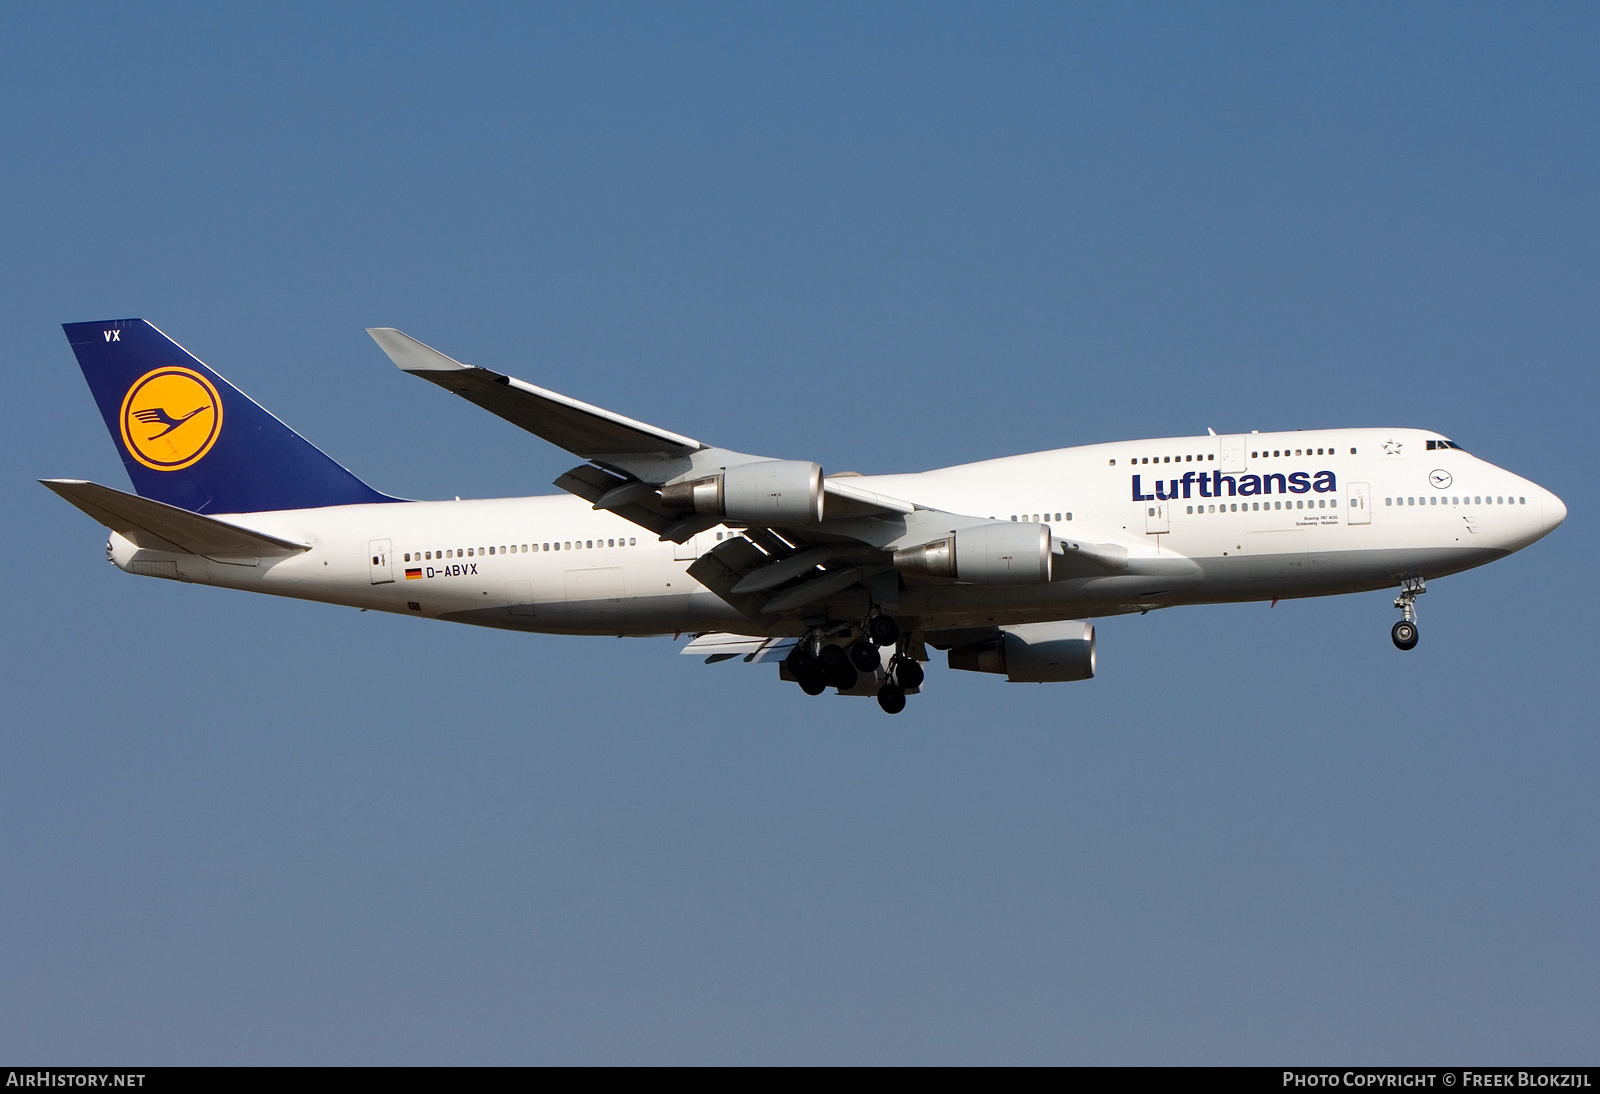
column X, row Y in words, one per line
column 721, row 646
column 157, row 526
column 602, row 489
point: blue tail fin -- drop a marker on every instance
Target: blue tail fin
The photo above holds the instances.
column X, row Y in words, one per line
column 191, row 439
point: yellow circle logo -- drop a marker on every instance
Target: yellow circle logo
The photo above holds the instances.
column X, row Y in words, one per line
column 170, row 418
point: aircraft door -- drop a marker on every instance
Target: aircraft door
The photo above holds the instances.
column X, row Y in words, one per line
column 685, row 551
column 1230, row 452
column 378, row 559
column 1358, row 503
column 1155, row 517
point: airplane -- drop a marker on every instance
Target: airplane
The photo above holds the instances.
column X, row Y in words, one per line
column 845, row 580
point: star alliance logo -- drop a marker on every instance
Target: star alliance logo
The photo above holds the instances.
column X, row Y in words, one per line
column 1391, row 448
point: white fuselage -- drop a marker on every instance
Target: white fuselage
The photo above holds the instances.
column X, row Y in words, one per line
column 1306, row 513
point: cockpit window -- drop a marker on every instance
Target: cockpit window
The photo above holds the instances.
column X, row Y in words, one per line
column 1444, row 444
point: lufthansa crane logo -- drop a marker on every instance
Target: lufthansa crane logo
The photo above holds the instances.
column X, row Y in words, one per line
column 170, row 418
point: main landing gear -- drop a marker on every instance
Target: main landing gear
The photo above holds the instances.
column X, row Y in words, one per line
column 821, row 661
column 1404, row 633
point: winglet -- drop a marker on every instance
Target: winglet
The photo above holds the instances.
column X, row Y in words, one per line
column 411, row 355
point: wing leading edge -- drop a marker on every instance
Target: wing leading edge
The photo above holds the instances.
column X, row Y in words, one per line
column 578, row 427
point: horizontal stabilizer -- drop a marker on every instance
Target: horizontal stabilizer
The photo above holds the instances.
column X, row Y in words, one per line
column 157, row 526
column 578, row 427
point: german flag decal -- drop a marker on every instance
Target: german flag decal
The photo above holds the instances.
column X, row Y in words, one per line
column 414, row 574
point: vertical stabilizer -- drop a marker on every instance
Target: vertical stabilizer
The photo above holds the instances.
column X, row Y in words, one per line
column 191, row 439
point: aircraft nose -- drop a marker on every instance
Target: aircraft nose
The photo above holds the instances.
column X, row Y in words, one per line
column 1555, row 511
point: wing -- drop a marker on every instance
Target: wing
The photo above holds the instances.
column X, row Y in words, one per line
column 631, row 460
column 808, row 540
column 718, row 646
column 581, row 429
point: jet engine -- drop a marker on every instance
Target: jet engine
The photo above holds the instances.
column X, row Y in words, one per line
column 1033, row 653
column 1002, row 553
column 765, row 493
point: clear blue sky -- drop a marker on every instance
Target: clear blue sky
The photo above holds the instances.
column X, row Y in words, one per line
column 241, row 829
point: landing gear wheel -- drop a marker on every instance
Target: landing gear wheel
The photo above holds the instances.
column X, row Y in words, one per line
column 883, row 630
column 812, row 682
column 864, row 656
column 907, row 673
column 841, row 676
column 891, row 699
column 1404, row 635
column 831, row 656
column 801, row 660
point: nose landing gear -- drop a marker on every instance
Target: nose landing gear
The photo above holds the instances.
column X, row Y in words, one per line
column 1404, row 633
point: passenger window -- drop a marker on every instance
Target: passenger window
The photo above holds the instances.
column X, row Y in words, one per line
column 631, row 542
column 1069, row 516
column 611, row 543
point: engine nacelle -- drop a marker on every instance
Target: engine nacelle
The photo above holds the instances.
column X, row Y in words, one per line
column 1033, row 653
column 766, row 493
column 1001, row 553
